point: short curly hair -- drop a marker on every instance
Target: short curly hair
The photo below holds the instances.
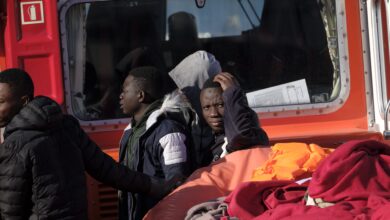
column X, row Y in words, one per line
column 211, row 84
column 19, row 81
column 149, row 79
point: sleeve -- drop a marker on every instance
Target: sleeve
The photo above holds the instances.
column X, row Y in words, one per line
column 106, row 170
column 173, row 155
column 242, row 127
column 15, row 184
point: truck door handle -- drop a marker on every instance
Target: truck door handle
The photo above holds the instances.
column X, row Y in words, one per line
column 386, row 132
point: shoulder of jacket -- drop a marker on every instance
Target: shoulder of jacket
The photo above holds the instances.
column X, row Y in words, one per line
column 167, row 126
column 169, row 123
column 70, row 120
column 23, row 140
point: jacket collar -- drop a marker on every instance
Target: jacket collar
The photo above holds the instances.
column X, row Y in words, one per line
column 173, row 102
column 42, row 114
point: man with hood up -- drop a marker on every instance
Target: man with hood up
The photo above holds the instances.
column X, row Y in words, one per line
column 234, row 125
column 153, row 143
column 45, row 154
column 189, row 76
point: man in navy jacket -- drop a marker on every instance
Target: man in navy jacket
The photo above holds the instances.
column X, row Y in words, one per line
column 154, row 142
column 225, row 108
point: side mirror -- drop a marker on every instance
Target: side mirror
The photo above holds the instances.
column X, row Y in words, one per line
column 200, row 3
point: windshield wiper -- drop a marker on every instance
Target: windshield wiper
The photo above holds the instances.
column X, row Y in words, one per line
column 246, row 12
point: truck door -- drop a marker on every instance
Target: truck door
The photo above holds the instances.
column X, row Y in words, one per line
column 265, row 43
column 377, row 23
column 32, row 43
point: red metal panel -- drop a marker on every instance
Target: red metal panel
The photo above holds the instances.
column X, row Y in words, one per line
column 32, row 43
column 2, row 52
column 2, row 28
column 384, row 18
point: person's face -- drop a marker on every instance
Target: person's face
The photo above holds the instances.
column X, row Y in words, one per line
column 212, row 108
column 9, row 104
column 130, row 98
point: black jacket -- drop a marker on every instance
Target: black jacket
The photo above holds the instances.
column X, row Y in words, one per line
column 161, row 151
column 42, row 164
column 241, row 125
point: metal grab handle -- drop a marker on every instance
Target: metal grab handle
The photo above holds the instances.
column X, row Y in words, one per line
column 386, row 132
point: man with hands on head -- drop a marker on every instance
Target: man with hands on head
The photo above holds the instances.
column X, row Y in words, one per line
column 225, row 108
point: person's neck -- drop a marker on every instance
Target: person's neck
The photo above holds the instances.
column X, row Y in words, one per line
column 140, row 113
column 218, row 133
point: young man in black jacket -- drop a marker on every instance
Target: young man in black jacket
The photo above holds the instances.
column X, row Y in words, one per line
column 153, row 143
column 45, row 154
column 225, row 108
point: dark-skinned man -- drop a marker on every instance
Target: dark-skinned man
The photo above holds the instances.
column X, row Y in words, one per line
column 45, row 154
column 153, row 143
column 225, row 108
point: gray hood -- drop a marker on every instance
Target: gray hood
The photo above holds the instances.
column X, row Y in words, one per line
column 191, row 73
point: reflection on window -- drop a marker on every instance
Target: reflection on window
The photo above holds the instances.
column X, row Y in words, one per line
column 264, row 43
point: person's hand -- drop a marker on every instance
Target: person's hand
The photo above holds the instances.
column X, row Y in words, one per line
column 160, row 188
column 226, row 80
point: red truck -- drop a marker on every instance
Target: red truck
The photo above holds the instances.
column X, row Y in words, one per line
column 316, row 71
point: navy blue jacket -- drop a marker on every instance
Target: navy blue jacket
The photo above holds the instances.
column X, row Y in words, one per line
column 161, row 152
column 242, row 128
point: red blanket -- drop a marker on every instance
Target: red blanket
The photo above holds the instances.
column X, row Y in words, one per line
column 355, row 177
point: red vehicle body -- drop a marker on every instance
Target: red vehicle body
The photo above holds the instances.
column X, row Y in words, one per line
column 357, row 112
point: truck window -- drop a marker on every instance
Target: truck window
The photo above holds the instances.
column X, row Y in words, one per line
column 264, row 43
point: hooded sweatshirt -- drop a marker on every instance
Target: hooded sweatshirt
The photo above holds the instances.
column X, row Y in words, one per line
column 189, row 76
column 241, row 124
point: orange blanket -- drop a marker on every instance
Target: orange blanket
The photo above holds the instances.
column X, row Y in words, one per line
column 283, row 161
column 289, row 161
column 207, row 183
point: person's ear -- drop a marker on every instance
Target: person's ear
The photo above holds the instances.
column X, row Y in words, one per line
column 141, row 96
column 25, row 100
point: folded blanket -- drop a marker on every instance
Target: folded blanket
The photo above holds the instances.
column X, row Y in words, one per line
column 289, row 161
column 251, row 199
column 355, row 171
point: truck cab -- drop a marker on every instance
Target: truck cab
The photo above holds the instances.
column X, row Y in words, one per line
column 315, row 71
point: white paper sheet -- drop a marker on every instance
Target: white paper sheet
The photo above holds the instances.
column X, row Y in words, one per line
column 285, row 94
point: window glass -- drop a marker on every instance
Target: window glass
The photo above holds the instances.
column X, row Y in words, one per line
column 226, row 20
column 264, row 43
